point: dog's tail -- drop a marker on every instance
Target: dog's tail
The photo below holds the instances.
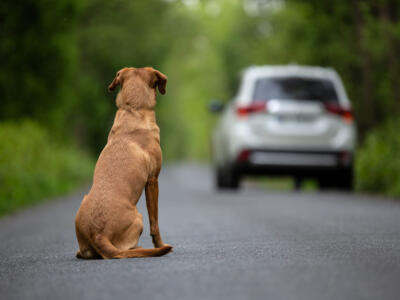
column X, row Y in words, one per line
column 107, row 250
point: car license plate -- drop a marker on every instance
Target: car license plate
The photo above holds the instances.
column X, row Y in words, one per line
column 295, row 118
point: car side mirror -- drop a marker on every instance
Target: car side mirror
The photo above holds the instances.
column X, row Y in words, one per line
column 215, row 106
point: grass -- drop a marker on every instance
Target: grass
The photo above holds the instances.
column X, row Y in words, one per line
column 33, row 167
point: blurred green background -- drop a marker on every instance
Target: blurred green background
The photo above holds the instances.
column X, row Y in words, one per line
column 57, row 58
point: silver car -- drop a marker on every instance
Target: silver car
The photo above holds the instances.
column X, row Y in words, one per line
column 286, row 120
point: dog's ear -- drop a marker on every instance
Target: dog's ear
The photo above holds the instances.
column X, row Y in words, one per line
column 115, row 82
column 161, row 81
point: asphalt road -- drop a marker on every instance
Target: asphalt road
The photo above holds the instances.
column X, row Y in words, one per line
column 255, row 244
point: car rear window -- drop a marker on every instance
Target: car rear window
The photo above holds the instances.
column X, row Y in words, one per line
column 294, row 88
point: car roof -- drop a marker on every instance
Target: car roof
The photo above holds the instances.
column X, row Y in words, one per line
column 252, row 73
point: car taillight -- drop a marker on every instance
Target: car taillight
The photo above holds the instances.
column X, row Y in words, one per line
column 346, row 114
column 345, row 158
column 243, row 155
column 254, row 107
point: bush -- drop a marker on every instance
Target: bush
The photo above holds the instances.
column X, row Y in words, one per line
column 33, row 167
column 378, row 161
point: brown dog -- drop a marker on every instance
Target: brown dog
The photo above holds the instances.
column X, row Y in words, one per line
column 107, row 224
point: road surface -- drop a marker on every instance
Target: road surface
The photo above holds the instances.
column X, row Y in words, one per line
column 255, row 244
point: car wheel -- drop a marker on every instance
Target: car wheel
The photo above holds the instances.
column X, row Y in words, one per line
column 345, row 180
column 342, row 180
column 325, row 182
column 226, row 178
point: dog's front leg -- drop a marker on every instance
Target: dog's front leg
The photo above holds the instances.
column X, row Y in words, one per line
column 151, row 190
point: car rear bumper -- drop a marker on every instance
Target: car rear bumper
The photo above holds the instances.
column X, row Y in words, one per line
column 306, row 163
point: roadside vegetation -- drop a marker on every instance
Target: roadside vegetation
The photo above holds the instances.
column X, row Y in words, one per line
column 59, row 56
column 34, row 167
column 378, row 160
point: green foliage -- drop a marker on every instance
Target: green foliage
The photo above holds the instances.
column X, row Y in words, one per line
column 359, row 39
column 197, row 72
column 37, row 56
column 113, row 35
column 58, row 58
column 378, row 162
column 33, row 166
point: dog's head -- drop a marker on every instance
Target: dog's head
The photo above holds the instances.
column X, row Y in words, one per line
column 150, row 77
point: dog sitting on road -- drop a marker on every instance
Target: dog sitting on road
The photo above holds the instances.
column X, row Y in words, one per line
column 108, row 224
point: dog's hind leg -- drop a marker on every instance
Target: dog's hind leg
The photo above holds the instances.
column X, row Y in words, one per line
column 85, row 250
column 130, row 235
column 87, row 254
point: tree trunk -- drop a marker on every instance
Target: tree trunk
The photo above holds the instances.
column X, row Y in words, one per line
column 367, row 117
column 387, row 18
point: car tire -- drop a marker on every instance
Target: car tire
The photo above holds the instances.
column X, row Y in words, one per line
column 226, row 178
column 325, row 182
column 342, row 180
column 345, row 180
